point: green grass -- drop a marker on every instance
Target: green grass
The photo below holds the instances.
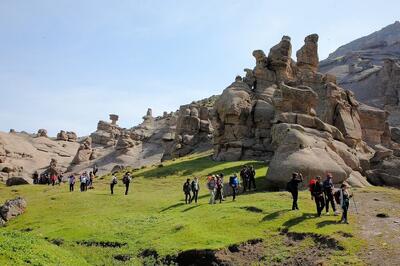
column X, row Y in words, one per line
column 155, row 216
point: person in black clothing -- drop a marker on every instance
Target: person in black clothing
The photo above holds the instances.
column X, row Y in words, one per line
column 345, row 196
column 318, row 192
column 244, row 177
column 294, row 188
column 328, row 192
column 127, row 180
column 35, row 177
column 195, row 186
column 252, row 177
column 186, row 190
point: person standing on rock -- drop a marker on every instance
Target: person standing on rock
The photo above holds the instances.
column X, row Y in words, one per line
column 234, row 183
column 71, row 181
column 293, row 188
column 114, row 181
column 127, row 180
column 186, row 190
column 328, row 192
column 211, row 184
column 195, row 189
column 318, row 192
column 344, row 201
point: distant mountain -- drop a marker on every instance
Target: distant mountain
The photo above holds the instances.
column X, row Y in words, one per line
column 369, row 66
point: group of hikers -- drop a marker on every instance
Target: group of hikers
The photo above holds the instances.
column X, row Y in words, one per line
column 215, row 185
column 126, row 180
column 323, row 193
column 85, row 180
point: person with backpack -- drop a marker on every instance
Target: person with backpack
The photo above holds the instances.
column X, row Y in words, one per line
column 252, row 177
column 211, row 185
column 113, row 182
column 60, row 178
column 127, row 180
column 82, row 179
column 328, row 192
column 345, row 196
column 219, row 187
column 35, row 177
column 234, row 183
column 186, row 190
column 244, row 177
column 293, row 187
column 53, row 179
column 195, row 189
column 71, row 181
column 318, row 193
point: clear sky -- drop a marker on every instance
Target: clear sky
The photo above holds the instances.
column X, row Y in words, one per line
column 67, row 64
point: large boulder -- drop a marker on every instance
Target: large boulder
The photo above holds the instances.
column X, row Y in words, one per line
column 12, row 208
column 84, row 152
column 18, row 180
column 42, row 133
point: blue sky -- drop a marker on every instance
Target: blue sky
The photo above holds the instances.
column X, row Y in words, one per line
column 68, row 64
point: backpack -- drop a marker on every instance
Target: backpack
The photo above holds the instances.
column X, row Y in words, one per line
column 311, row 185
column 289, row 186
column 125, row 180
column 336, row 195
column 231, row 180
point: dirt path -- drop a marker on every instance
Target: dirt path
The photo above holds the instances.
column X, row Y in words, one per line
column 381, row 233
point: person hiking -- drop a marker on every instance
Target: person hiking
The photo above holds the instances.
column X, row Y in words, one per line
column 328, row 192
column 91, row 177
column 53, row 179
column 127, row 180
column 219, row 187
column 87, row 181
column 35, row 177
column 318, row 193
column 71, row 181
column 60, row 178
column 186, row 190
column 195, row 186
column 293, row 187
column 82, row 179
column 95, row 169
column 221, row 175
column 244, row 177
column 113, row 182
column 234, row 183
column 252, row 177
column 344, row 202
column 211, row 184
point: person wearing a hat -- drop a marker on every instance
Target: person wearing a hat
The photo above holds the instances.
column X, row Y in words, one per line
column 328, row 192
column 344, row 201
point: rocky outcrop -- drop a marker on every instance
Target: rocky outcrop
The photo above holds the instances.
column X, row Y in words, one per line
column 42, row 133
column 125, row 142
column 107, row 133
column 18, row 180
column 84, row 152
column 11, row 209
column 291, row 115
column 67, row 136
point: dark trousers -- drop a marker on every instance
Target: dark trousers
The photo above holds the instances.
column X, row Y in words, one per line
column 345, row 208
column 112, row 188
column 252, row 182
column 195, row 196
column 219, row 195
column 329, row 199
column 53, row 182
column 295, row 196
column 71, row 187
column 83, row 185
column 126, row 188
column 246, row 182
column 320, row 203
column 234, row 191
column 188, row 198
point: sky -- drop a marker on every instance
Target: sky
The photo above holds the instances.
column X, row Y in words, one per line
column 68, row 64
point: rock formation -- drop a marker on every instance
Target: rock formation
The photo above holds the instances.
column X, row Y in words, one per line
column 84, row 152
column 107, row 133
column 11, row 209
column 42, row 133
column 291, row 115
column 67, row 136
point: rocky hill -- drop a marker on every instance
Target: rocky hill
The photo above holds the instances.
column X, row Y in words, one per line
column 369, row 66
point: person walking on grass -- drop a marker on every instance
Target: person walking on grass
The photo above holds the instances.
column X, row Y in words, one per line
column 318, row 192
column 244, row 177
column 211, row 185
column 219, row 187
column 82, row 179
column 345, row 196
column 186, row 190
column 328, row 192
column 114, row 181
column 234, row 183
column 293, row 187
column 127, row 180
column 53, row 179
column 195, row 186
column 252, row 177
column 221, row 175
column 71, row 181
column 60, row 178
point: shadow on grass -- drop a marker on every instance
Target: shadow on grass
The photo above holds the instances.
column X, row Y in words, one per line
column 173, row 206
column 190, row 208
column 273, row 215
column 295, row 221
column 325, row 223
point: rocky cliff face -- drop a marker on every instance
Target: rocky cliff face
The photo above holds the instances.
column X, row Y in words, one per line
column 290, row 114
column 369, row 66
